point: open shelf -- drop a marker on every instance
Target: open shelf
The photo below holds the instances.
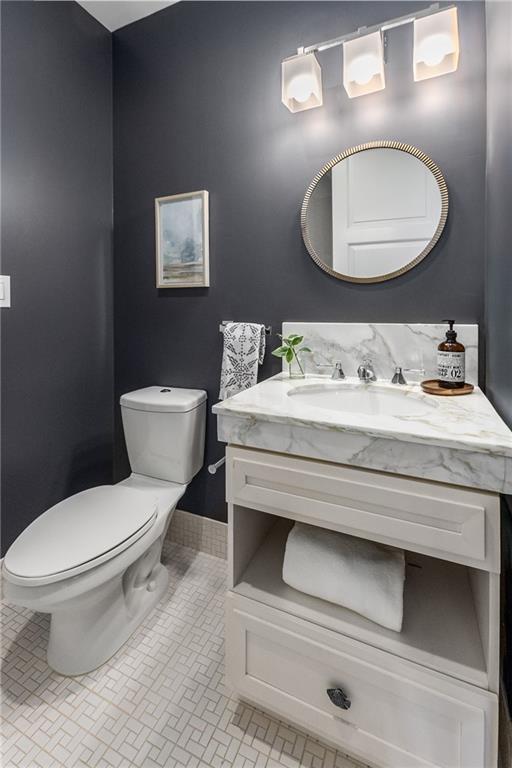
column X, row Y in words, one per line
column 440, row 628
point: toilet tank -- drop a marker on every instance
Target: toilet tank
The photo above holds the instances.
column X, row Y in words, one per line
column 164, row 429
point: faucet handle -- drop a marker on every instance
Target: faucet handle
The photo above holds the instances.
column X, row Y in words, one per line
column 337, row 371
column 398, row 377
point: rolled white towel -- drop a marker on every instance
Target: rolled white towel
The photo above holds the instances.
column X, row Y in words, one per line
column 361, row 575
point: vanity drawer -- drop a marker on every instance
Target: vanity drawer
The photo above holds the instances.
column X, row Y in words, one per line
column 440, row 520
column 400, row 715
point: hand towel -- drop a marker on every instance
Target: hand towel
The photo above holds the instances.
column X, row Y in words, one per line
column 361, row 575
column 244, row 350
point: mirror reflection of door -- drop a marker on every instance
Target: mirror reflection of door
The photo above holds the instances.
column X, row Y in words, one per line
column 374, row 211
column 385, row 208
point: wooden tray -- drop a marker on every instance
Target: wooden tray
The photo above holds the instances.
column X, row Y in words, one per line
column 431, row 387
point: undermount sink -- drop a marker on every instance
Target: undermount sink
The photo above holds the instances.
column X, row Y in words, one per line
column 366, row 399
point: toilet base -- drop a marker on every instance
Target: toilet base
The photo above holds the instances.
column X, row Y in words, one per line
column 88, row 632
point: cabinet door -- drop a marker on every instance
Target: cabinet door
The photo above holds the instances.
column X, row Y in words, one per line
column 440, row 520
column 399, row 715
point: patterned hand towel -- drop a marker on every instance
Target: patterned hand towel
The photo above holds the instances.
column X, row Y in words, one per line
column 244, row 349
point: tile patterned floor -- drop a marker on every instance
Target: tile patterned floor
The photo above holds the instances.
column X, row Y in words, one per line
column 160, row 702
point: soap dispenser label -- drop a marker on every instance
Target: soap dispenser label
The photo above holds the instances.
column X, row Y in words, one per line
column 450, row 366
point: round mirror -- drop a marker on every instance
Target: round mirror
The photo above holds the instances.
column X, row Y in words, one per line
column 374, row 212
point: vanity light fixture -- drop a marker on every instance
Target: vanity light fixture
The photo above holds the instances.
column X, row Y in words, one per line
column 301, row 82
column 436, row 52
column 363, row 65
column 436, row 45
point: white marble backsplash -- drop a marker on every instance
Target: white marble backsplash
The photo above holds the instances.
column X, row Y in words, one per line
column 388, row 344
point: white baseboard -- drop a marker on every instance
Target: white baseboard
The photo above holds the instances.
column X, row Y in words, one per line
column 202, row 533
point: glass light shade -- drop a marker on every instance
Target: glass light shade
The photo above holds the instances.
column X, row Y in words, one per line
column 301, row 82
column 363, row 65
column 436, row 45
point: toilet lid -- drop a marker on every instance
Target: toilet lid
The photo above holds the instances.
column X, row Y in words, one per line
column 80, row 530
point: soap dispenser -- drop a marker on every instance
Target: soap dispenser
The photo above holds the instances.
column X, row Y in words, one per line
column 451, row 356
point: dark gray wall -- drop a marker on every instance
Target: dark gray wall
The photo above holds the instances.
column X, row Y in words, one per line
column 498, row 246
column 499, row 197
column 197, row 106
column 57, row 373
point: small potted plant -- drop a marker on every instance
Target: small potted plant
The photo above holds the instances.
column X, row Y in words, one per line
column 290, row 350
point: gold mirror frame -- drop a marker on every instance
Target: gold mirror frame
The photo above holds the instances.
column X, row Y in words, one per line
column 443, row 189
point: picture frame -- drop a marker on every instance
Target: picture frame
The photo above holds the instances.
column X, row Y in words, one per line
column 182, row 240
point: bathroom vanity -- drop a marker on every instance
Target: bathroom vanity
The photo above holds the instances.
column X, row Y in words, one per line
column 392, row 465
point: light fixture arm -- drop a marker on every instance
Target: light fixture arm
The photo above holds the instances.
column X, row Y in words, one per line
column 399, row 21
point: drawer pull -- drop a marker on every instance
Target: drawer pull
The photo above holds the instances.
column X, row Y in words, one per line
column 339, row 698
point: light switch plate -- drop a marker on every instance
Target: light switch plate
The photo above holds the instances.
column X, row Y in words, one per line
column 5, row 291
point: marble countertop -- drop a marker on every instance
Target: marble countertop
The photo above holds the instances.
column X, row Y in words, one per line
column 468, row 421
column 454, row 439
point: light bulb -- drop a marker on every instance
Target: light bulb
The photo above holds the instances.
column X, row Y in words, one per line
column 363, row 68
column 363, row 65
column 436, row 44
column 433, row 49
column 301, row 87
column 301, row 82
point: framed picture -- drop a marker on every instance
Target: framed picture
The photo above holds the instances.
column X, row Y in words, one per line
column 182, row 253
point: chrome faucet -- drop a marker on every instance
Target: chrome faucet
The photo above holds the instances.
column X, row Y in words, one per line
column 365, row 370
column 337, row 371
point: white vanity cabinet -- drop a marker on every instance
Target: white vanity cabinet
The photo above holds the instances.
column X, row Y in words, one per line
column 426, row 696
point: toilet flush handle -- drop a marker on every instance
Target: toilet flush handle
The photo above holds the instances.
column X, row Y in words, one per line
column 339, row 698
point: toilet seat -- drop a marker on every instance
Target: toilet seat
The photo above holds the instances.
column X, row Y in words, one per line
column 79, row 533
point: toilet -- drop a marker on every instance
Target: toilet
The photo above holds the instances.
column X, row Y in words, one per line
column 93, row 560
